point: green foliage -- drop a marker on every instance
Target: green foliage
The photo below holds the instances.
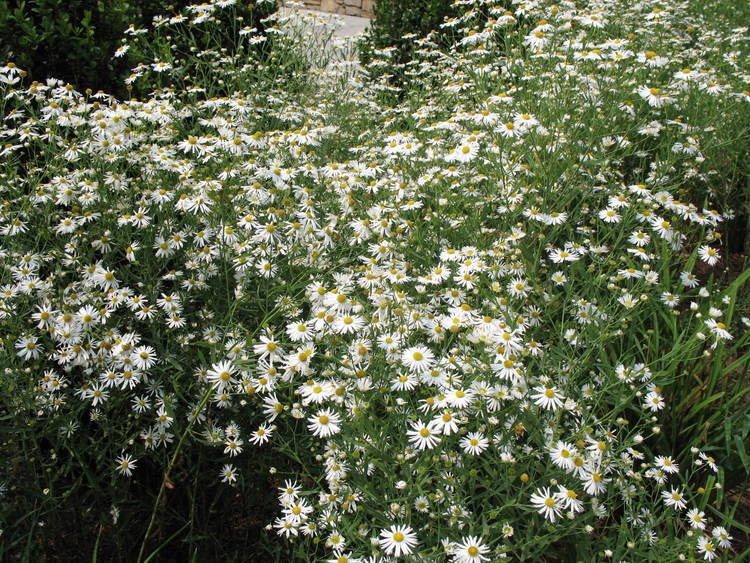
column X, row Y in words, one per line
column 394, row 19
column 398, row 23
column 75, row 40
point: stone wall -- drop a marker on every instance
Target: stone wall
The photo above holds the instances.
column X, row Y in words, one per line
column 362, row 8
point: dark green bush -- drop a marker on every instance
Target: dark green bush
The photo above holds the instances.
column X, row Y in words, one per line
column 396, row 20
column 75, row 40
column 398, row 27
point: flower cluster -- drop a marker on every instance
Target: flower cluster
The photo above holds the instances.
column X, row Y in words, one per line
column 470, row 304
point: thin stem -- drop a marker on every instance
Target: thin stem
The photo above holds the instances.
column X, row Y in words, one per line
column 164, row 481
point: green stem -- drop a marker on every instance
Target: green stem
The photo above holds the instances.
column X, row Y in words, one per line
column 164, row 481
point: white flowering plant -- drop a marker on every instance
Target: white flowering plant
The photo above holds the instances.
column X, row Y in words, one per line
column 483, row 305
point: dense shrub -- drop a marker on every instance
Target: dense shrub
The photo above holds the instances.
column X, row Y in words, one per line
column 75, row 40
column 394, row 19
column 397, row 23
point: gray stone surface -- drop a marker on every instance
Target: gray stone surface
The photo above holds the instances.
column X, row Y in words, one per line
column 325, row 39
column 352, row 25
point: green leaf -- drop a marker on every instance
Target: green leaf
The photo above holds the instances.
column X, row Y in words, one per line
column 740, row 449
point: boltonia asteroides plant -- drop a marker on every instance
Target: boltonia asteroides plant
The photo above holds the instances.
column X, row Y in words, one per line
column 461, row 305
